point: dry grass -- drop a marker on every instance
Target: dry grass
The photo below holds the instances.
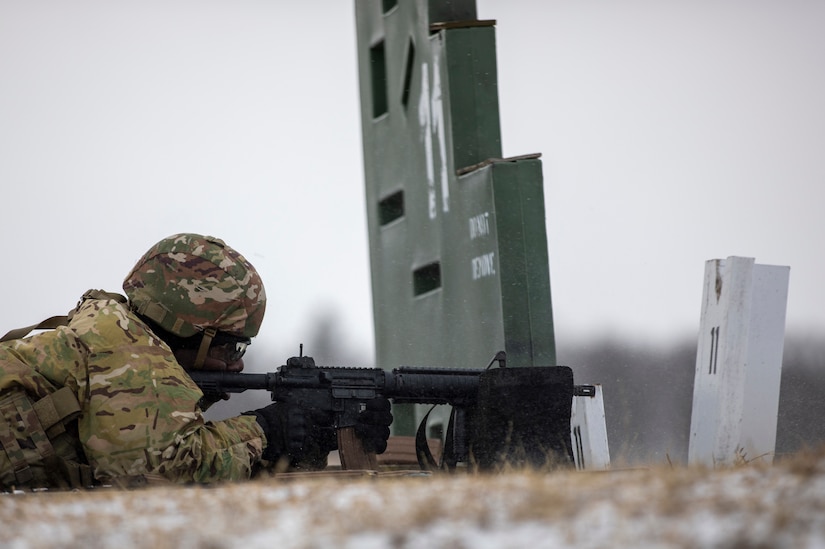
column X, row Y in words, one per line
column 751, row 505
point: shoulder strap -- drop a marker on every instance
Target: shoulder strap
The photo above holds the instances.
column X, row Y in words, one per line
column 60, row 320
column 48, row 324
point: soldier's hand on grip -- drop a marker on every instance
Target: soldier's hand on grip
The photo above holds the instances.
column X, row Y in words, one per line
column 373, row 425
column 304, row 437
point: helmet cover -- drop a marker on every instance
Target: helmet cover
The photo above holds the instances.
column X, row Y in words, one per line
column 187, row 283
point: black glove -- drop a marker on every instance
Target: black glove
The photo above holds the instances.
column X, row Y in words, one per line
column 303, row 437
column 373, row 426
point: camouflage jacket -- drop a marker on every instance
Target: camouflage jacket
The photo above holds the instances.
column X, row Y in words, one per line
column 139, row 408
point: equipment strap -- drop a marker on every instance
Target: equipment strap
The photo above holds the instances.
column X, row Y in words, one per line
column 60, row 320
column 48, row 324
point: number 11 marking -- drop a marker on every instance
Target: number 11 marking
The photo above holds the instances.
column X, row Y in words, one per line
column 714, row 349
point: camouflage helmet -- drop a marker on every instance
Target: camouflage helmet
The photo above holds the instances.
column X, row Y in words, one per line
column 188, row 283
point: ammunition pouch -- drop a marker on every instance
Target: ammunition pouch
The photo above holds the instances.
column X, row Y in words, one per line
column 39, row 446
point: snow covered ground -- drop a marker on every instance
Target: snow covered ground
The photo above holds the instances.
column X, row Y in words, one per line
column 779, row 506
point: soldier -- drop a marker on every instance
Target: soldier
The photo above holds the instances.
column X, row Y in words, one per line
column 106, row 398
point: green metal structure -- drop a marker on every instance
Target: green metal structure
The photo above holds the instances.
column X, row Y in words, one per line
column 458, row 245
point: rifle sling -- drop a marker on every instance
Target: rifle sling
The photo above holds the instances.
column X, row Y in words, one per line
column 422, row 450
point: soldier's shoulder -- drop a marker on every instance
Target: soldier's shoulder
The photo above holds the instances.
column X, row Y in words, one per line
column 105, row 317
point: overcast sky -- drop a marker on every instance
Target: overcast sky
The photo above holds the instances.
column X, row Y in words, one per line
column 671, row 133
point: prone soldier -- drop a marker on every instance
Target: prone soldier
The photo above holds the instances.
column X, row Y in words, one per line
column 106, row 398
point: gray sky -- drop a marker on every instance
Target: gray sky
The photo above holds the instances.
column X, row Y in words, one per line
column 671, row 132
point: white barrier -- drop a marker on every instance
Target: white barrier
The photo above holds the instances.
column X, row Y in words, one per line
column 738, row 362
column 588, row 432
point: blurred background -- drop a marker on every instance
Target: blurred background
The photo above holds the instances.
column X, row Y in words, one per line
column 671, row 133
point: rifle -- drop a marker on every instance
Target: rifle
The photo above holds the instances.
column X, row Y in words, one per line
column 518, row 416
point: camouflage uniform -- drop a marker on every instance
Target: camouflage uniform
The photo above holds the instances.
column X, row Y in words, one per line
column 139, row 412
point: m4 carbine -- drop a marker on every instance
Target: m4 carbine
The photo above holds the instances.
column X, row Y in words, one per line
column 513, row 416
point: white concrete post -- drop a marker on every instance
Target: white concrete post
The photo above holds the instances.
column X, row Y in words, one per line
column 588, row 432
column 738, row 362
